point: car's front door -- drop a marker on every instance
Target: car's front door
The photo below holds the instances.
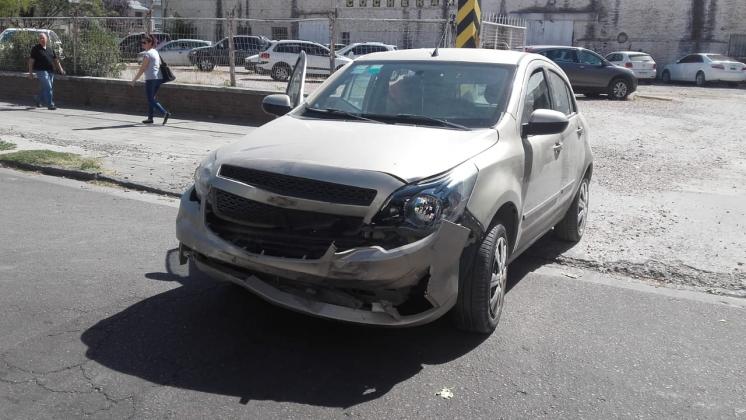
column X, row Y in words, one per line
column 543, row 176
column 170, row 53
column 572, row 145
column 593, row 71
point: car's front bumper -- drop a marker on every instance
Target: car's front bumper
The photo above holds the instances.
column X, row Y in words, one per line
column 435, row 258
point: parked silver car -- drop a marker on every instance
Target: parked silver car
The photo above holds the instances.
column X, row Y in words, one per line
column 397, row 192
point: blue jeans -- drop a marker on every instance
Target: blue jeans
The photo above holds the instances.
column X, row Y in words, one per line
column 46, row 80
column 151, row 89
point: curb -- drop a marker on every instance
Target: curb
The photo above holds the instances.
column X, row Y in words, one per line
column 657, row 98
column 87, row 176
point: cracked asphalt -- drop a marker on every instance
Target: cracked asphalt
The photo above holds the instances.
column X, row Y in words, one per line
column 97, row 320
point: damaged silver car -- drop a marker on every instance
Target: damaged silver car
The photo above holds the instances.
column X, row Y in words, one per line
column 399, row 191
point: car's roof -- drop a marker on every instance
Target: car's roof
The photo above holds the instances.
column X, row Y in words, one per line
column 477, row 55
column 546, row 47
column 629, row 52
column 186, row 39
column 296, row 41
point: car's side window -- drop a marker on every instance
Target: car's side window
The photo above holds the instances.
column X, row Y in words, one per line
column 698, row 59
column 689, row 59
column 561, row 100
column 587, row 57
column 561, row 55
column 537, row 95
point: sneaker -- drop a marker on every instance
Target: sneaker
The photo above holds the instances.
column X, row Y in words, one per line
column 165, row 118
column 52, row 108
column 148, row 121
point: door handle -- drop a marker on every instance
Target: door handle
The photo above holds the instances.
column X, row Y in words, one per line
column 557, row 147
column 580, row 131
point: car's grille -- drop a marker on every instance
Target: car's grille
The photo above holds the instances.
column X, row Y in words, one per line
column 300, row 187
column 270, row 230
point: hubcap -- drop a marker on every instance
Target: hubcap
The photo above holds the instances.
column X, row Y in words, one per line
column 620, row 89
column 583, row 206
column 700, row 79
column 499, row 278
column 282, row 73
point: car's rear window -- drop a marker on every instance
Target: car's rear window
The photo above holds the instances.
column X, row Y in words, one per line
column 719, row 57
column 640, row 57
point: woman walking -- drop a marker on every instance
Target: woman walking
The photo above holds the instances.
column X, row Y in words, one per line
column 151, row 67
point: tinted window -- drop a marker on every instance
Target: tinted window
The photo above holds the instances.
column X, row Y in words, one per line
column 561, row 56
column 640, row 57
column 691, row 59
column 287, row 48
column 537, row 95
column 561, row 100
column 587, row 57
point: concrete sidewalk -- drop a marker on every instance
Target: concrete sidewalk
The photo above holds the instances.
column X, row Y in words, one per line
column 155, row 156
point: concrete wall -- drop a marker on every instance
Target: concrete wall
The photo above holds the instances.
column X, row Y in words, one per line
column 668, row 29
column 360, row 29
column 199, row 102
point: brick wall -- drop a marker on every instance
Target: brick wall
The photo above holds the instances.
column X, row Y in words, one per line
column 199, row 102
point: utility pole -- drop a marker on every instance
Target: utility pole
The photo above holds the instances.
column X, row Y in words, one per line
column 332, row 36
column 232, row 47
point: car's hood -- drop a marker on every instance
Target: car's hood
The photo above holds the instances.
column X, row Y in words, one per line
column 407, row 152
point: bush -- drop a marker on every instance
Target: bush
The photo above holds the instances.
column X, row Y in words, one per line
column 97, row 52
column 14, row 52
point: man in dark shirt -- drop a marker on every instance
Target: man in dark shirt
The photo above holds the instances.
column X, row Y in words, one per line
column 42, row 62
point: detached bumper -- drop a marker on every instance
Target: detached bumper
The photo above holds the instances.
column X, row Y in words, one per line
column 374, row 269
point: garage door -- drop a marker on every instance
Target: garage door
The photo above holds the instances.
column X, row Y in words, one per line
column 545, row 32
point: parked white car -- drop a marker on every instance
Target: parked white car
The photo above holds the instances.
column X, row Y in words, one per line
column 361, row 48
column 176, row 53
column 280, row 57
column 703, row 68
column 642, row 64
column 7, row 35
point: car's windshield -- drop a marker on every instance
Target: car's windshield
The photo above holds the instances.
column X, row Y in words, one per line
column 6, row 35
column 465, row 94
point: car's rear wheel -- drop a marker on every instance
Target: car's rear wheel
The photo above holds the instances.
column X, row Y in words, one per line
column 205, row 64
column 619, row 89
column 700, row 79
column 666, row 76
column 572, row 227
column 482, row 295
column 281, row 72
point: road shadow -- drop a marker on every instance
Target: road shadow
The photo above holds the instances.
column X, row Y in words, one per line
column 218, row 338
column 108, row 127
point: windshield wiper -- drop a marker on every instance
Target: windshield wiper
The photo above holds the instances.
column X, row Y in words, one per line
column 334, row 111
column 425, row 118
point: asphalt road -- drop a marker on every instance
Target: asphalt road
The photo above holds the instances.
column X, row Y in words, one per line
column 97, row 319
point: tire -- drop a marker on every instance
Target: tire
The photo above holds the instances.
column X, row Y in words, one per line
column 619, row 89
column 666, row 77
column 281, row 72
column 205, row 64
column 482, row 294
column 572, row 227
column 700, row 79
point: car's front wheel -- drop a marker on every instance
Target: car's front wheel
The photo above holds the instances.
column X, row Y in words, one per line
column 482, row 295
column 619, row 89
column 572, row 227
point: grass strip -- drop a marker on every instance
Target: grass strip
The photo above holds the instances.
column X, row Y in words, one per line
column 51, row 158
column 6, row 145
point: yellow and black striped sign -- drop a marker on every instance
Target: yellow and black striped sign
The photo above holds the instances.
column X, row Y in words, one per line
column 468, row 20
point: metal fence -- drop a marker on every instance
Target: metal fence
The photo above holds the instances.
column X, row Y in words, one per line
column 502, row 33
column 215, row 51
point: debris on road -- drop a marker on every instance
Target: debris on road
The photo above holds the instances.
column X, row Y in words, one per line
column 445, row 393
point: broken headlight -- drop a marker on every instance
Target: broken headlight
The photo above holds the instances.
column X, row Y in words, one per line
column 421, row 206
column 203, row 174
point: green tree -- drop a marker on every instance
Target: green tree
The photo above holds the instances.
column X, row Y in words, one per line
column 12, row 8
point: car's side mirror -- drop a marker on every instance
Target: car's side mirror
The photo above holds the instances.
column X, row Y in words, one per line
column 278, row 104
column 544, row 122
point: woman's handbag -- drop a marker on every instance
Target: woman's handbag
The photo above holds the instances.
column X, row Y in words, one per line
column 168, row 75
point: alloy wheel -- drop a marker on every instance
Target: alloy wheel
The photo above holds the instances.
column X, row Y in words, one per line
column 583, row 201
column 499, row 278
column 620, row 89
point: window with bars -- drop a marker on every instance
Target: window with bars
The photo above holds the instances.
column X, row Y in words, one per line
column 279, row 32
